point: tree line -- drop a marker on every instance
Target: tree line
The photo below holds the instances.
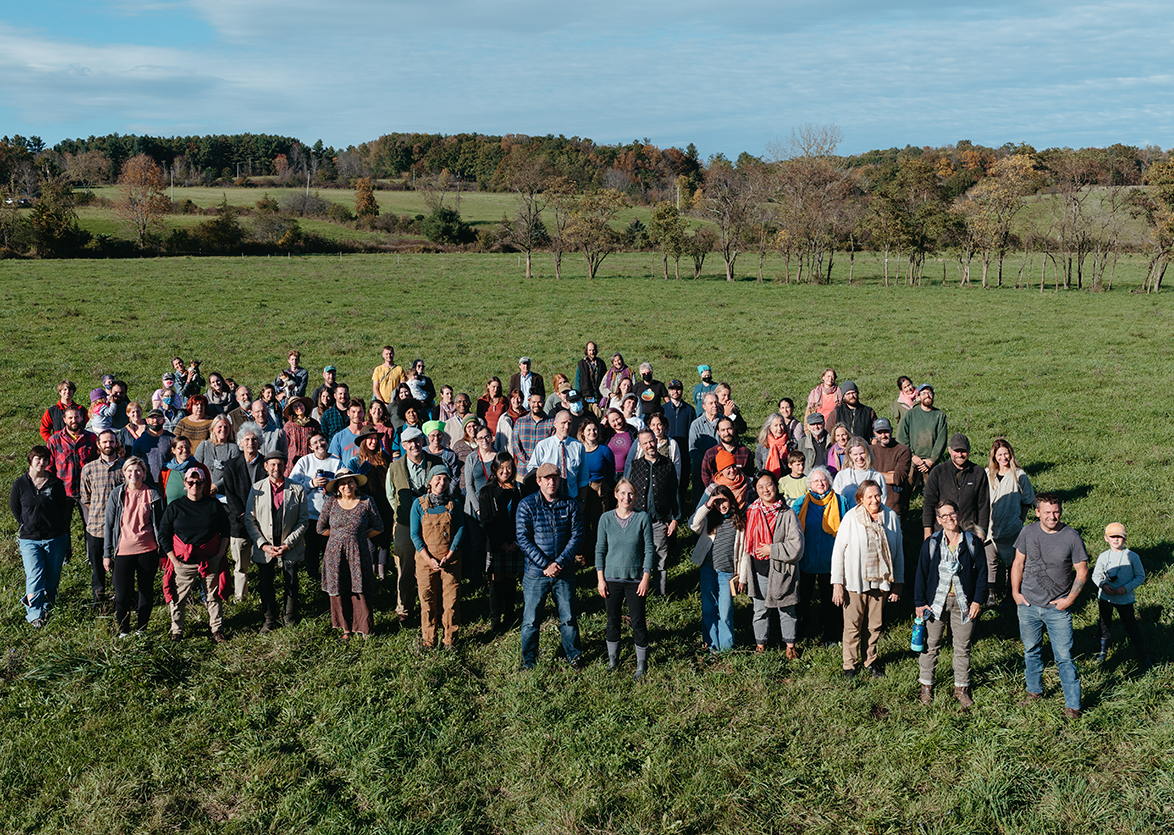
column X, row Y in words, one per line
column 800, row 200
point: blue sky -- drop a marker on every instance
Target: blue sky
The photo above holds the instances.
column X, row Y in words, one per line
column 730, row 77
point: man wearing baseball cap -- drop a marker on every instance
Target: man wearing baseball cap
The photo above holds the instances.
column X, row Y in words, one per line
column 962, row 482
column 527, row 382
column 550, row 530
column 407, row 479
column 892, row 460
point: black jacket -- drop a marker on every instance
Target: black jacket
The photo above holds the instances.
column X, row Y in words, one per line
column 966, row 488
column 859, row 420
column 972, row 557
column 239, row 478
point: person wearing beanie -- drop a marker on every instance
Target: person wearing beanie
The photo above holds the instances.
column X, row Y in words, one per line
column 1117, row 574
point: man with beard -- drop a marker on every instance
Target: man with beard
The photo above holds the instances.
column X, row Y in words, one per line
column 679, row 417
column 528, row 430
column 854, row 414
column 589, row 376
column 153, row 445
column 815, row 443
column 892, row 460
column 98, row 479
column 727, row 439
column 654, row 481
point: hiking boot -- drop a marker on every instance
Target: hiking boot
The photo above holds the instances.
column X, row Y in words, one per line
column 926, row 696
column 962, row 694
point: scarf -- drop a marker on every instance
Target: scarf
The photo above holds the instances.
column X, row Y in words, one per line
column 738, row 485
column 776, row 458
column 760, row 525
column 836, row 456
column 831, row 510
column 908, row 401
column 878, row 561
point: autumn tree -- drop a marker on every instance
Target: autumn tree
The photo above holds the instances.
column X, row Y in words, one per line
column 698, row 246
column 589, row 227
column 811, row 183
column 727, row 199
column 666, row 229
column 991, row 205
column 143, row 203
column 87, row 169
column 1156, row 207
column 527, row 178
column 53, row 221
column 561, row 194
column 366, row 209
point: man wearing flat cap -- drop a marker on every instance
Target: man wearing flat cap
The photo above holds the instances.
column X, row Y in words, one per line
column 276, row 519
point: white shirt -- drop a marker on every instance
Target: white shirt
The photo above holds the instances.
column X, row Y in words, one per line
column 305, row 470
column 567, row 456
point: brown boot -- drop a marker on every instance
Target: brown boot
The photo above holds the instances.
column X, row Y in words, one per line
column 792, row 652
column 927, row 694
column 962, row 694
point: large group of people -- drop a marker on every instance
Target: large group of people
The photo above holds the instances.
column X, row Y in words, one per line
column 215, row 489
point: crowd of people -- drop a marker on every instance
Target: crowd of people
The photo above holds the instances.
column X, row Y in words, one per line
column 216, row 489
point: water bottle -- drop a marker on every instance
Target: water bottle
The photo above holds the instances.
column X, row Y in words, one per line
column 917, row 642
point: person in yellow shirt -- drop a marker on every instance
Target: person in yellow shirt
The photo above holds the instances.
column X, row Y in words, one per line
column 385, row 379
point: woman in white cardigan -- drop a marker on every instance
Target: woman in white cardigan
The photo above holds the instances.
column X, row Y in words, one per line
column 868, row 565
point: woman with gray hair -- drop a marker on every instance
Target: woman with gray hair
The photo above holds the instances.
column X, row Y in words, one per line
column 820, row 512
column 774, row 444
column 857, row 469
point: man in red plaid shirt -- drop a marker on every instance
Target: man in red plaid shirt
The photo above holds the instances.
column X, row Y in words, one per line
column 70, row 450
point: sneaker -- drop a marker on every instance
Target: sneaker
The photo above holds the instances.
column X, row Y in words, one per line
column 848, row 674
column 37, row 624
column 527, row 666
column 578, row 665
column 267, row 627
column 176, row 637
column 876, row 671
column 123, row 635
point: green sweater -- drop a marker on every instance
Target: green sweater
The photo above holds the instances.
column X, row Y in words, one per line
column 924, row 432
column 624, row 553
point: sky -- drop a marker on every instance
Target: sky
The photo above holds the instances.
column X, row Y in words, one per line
column 733, row 76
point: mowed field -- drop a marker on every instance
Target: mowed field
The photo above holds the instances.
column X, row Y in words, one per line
column 298, row 732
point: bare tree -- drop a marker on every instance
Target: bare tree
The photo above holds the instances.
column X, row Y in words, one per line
column 727, row 199
column 528, row 180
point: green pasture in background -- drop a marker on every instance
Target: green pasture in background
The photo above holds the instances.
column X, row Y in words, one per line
column 297, row 732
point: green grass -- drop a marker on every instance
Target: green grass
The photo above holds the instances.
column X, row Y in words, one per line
column 297, row 732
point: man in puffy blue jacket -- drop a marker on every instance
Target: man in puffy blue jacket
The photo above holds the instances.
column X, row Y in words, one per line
column 550, row 530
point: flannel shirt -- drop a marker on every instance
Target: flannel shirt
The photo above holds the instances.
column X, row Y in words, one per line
column 68, row 455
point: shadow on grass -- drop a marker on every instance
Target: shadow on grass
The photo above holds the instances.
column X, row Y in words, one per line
column 1038, row 468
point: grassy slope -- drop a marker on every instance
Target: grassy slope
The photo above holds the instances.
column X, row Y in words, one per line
column 295, row 732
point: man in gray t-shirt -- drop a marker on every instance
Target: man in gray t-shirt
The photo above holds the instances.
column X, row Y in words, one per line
column 1050, row 569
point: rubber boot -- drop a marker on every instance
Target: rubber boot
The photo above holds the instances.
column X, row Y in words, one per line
column 641, row 663
column 1103, row 655
column 613, row 656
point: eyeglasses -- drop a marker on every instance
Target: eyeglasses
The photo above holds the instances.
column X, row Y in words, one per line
column 947, row 515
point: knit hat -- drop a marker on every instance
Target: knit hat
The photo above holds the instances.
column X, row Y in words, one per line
column 433, row 426
column 724, row 459
column 439, row 469
column 849, row 386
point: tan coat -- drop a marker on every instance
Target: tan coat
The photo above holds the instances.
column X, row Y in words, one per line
column 295, row 519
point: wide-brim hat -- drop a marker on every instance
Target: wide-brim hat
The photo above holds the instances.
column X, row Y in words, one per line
column 343, row 475
column 305, row 401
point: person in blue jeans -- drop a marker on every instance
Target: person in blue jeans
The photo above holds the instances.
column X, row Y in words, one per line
column 721, row 530
column 42, row 512
column 1050, row 569
column 550, row 533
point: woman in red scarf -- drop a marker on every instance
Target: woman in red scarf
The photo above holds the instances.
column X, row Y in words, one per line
column 774, row 444
column 768, row 567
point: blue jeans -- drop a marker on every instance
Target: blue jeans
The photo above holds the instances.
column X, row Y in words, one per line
column 42, row 559
column 717, row 608
column 1032, row 620
column 534, row 591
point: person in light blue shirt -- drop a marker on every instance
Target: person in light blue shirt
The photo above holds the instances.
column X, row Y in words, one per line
column 565, row 453
column 1117, row 573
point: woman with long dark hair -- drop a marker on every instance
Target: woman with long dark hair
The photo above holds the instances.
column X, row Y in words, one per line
column 721, row 530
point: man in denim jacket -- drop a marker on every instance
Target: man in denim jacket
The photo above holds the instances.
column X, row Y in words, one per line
column 550, row 529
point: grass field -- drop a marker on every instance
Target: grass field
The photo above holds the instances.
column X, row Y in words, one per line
column 296, row 732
